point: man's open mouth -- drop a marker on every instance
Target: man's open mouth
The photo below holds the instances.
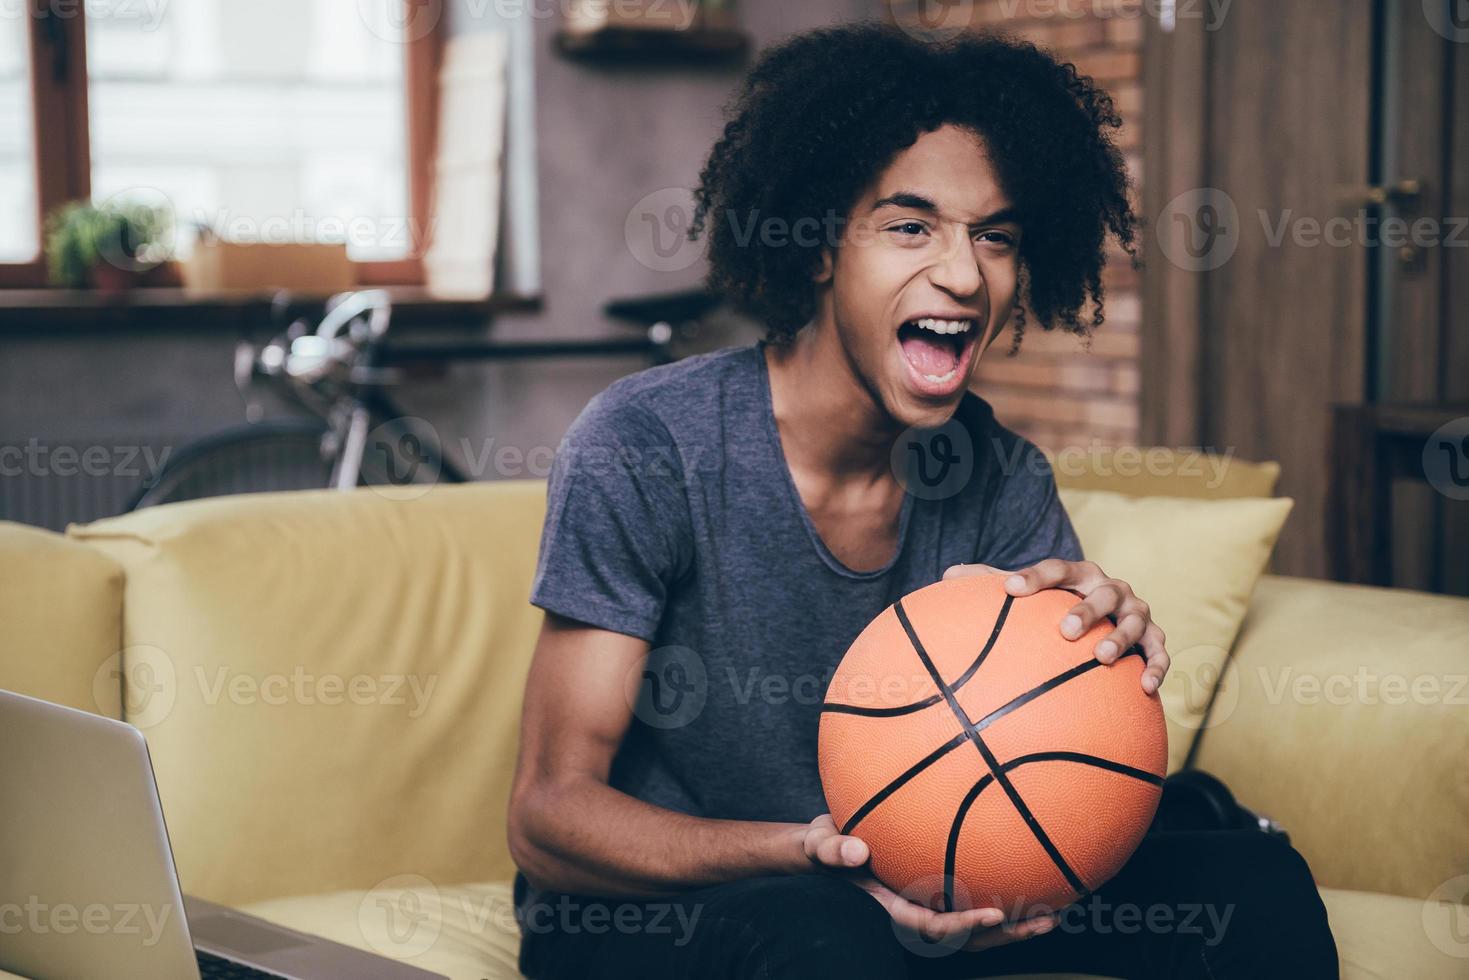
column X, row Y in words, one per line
column 937, row 350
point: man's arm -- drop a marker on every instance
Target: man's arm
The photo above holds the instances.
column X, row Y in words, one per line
column 570, row 831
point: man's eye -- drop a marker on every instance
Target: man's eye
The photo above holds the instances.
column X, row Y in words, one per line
column 909, row 228
column 1001, row 238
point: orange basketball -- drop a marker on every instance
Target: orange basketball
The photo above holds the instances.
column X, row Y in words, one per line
column 986, row 760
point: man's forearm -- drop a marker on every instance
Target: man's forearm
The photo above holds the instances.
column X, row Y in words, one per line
column 585, row 837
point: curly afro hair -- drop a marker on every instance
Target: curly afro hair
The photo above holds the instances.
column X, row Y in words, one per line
column 822, row 114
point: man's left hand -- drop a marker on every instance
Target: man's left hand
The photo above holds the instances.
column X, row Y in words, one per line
column 1102, row 596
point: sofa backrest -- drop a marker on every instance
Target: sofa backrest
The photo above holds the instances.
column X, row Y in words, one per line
column 330, row 683
column 1344, row 715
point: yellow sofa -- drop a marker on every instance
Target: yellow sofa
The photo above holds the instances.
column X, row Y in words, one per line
column 330, row 687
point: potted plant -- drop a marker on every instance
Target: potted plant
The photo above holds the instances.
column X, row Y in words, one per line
column 109, row 247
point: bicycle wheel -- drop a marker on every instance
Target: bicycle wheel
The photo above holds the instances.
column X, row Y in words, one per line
column 284, row 454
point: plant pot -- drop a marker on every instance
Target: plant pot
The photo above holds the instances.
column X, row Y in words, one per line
column 111, row 281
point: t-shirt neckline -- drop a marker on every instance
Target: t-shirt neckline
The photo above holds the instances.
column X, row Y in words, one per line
column 793, row 494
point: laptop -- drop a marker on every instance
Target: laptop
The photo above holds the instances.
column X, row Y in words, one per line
column 88, row 886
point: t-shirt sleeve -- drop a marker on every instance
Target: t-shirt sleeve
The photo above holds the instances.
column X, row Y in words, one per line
column 1029, row 523
column 617, row 531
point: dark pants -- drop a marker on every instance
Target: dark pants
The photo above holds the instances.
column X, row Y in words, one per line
column 1219, row 905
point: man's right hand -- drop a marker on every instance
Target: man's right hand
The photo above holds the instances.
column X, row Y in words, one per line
column 828, row 849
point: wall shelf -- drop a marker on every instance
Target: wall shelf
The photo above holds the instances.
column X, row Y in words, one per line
column 702, row 46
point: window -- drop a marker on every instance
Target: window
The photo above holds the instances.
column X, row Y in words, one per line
column 19, row 213
column 271, row 121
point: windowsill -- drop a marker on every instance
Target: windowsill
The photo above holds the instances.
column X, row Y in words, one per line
column 25, row 310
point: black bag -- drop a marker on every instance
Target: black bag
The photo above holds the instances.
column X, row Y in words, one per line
column 1194, row 800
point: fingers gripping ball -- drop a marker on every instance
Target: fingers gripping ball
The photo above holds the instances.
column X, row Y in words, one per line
column 986, row 760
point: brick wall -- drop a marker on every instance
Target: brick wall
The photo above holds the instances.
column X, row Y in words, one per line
column 1057, row 392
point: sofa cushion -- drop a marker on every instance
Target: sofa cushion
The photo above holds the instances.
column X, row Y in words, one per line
column 1344, row 714
column 468, row 932
column 337, row 679
column 1195, row 563
column 61, row 603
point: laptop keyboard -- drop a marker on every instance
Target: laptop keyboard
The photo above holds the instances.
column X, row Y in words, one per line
column 213, row 967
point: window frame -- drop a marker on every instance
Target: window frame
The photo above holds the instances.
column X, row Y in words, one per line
column 62, row 158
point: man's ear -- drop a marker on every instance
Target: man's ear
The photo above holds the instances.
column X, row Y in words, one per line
column 822, row 275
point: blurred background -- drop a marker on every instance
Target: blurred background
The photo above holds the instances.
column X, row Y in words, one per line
column 185, row 184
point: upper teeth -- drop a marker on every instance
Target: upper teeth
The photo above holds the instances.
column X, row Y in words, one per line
column 944, row 326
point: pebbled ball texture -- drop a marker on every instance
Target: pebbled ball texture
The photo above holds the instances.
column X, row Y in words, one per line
column 986, row 760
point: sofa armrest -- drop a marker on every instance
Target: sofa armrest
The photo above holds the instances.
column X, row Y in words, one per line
column 1344, row 714
column 61, row 606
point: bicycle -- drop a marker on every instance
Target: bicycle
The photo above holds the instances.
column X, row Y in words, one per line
column 338, row 376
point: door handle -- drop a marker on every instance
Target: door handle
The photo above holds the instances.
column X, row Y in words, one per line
column 1405, row 194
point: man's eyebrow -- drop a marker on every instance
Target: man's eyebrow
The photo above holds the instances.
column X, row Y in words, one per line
column 906, row 199
column 917, row 202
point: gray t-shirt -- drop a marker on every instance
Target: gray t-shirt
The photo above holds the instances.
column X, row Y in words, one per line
column 672, row 517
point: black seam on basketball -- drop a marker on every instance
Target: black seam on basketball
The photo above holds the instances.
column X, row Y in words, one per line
column 1084, row 759
column 932, row 699
column 1071, row 877
column 897, row 784
column 969, row 733
column 994, row 766
column 951, row 851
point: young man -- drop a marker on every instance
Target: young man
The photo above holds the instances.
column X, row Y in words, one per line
column 719, row 530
